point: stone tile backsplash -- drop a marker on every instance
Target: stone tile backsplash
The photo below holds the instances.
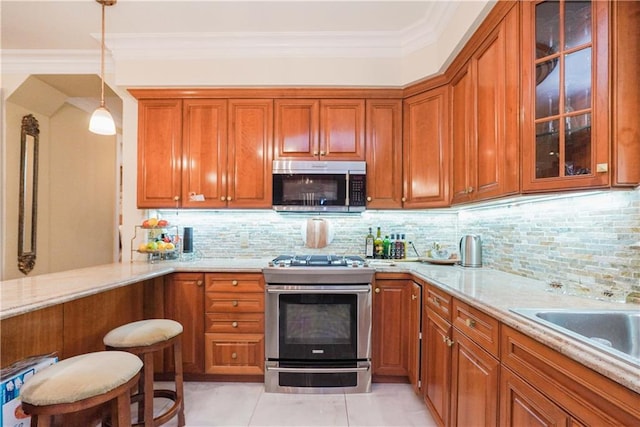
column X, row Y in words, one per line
column 587, row 242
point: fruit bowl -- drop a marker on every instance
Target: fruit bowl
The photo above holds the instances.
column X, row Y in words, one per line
column 155, row 223
column 157, row 251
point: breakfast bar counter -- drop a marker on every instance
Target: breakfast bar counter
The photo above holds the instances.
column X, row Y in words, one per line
column 492, row 291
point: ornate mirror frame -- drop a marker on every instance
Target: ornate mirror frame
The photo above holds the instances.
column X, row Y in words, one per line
column 27, row 217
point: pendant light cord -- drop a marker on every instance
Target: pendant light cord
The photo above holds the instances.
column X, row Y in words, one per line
column 102, row 60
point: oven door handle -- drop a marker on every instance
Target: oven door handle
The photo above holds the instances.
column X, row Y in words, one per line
column 316, row 291
column 318, row 370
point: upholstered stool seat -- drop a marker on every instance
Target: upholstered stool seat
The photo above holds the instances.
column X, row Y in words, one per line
column 82, row 382
column 144, row 338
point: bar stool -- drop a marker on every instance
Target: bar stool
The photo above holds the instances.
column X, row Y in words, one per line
column 144, row 338
column 82, row 382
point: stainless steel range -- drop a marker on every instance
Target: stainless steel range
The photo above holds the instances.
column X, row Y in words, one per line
column 318, row 324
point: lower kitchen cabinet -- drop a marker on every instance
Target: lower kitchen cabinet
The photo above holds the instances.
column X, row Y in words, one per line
column 540, row 385
column 184, row 302
column 474, row 384
column 460, row 362
column 522, row 405
column 436, row 370
column 390, row 329
column 234, row 324
column 237, row 354
column 415, row 336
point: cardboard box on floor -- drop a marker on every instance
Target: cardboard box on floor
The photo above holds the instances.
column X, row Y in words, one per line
column 12, row 378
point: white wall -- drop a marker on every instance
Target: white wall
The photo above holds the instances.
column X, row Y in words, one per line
column 76, row 189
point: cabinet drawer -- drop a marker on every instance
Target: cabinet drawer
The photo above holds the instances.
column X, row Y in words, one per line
column 234, row 354
column 235, row 323
column 439, row 301
column 475, row 324
column 231, row 302
column 229, row 282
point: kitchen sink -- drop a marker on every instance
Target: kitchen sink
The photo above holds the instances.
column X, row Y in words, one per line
column 616, row 332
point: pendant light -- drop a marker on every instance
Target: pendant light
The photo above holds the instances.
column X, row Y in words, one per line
column 101, row 121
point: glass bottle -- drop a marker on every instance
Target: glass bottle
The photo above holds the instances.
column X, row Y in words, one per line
column 392, row 246
column 368, row 246
column 386, row 247
column 378, row 245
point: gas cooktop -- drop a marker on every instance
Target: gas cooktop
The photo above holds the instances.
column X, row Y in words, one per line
column 317, row 261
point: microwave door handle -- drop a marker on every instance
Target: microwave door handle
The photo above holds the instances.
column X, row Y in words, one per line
column 346, row 190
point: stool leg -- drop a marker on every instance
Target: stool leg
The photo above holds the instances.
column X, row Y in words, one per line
column 121, row 410
column 148, row 389
column 40, row 421
column 177, row 354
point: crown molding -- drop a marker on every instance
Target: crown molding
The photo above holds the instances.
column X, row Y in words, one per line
column 254, row 45
column 213, row 45
column 53, row 61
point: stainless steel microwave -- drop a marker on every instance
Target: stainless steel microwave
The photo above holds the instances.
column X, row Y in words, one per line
column 319, row 186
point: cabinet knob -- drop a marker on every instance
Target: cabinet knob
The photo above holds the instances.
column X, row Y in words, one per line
column 404, row 199
column 469, row 189
column 315, row 153
column 176, row 198
column 199, row 283
column 234, row 324
column 322, row 153
column 234, row 355
column 435, row 301
column 228, row 198
column 414, row 297
column 234, row 283
column 377, row 290
column 470, row 323
column 222, row 198
column 234, row 303
column 449, row 342
column 369, row 199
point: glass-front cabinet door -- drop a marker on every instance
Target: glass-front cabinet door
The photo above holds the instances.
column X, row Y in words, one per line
column 565, row 136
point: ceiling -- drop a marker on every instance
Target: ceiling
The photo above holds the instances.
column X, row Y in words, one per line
column 218, row 27
column 75, row 24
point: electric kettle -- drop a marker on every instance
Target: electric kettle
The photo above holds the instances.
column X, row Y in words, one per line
column 471, row 251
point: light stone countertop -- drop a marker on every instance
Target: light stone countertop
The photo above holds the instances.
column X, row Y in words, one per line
column 492, row 291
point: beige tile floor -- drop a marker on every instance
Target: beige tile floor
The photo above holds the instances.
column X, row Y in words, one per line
column 246, row 404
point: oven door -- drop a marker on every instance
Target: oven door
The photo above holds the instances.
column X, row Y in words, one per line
column 318, row 323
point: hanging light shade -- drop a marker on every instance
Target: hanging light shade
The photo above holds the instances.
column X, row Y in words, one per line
column 101, row 121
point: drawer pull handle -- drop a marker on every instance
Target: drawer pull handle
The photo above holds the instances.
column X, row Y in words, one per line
column 436, row 301
column 234, row 283
column 470, row 323
column 234, row 324
column 234, row 303
column 234, row 355
column 449, row 342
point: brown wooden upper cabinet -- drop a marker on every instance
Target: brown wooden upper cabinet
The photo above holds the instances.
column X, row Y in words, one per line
column 204, row 153
column 159, row 153
column 565, row 69
column 425, row 149
column 484, row 117
column 319, row 129
column 384, row 153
